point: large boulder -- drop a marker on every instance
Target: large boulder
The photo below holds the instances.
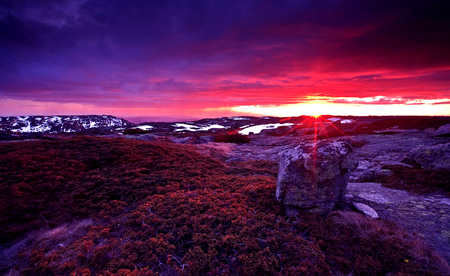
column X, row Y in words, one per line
column 314, row 176
column 443, row 131
column 432, row 157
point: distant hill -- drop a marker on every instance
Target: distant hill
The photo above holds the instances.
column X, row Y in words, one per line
column 32, row 127
column 60, row 124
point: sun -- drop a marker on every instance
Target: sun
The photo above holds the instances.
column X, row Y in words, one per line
column 316, row 115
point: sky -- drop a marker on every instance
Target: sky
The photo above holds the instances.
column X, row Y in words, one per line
column 196, row 59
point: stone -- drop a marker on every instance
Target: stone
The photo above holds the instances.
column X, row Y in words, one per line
column 314, row 176
column 367, row 176
column 148, row 137
column 182, row 140
column 204, row 139
column 383, row 173
column 375, row 175
column 366, row 209
column 443, row 131
column 430, row 157
column 234, row 159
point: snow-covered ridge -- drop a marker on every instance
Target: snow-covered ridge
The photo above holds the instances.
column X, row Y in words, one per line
column 145, row 127
column 105, row 124
column 57, row 124
column 189, row 127
column 258, row 128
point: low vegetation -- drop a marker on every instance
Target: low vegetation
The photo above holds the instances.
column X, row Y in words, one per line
column 135, row 131
column 419, row 181
column 410, row 122
column 98, row 206
column 231, row 138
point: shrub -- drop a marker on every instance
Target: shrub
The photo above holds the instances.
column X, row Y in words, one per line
column 135, row 131
column 232, row 138
column 418, row 180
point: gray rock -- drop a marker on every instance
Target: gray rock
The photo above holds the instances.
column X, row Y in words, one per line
column 144, row 137
column 182, row 140
column 375, row 175
column 443, row 131
column 148, row 137
column 205, row 139
column 431, row 157
column 383, row 173
column 234, row 159
column 367, row 176
column 366, row 209
column 315, row 178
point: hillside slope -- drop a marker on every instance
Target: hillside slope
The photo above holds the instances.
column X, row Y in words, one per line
column 60, row 124
column 97, row 206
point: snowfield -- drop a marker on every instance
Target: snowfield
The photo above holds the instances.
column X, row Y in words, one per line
column 257, row 129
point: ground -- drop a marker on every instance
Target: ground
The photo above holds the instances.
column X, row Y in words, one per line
column 426, row 214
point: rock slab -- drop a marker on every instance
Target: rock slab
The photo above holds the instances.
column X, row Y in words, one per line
column 443, row 131
column 314, row 176
column 366, row 209
column 431, row 157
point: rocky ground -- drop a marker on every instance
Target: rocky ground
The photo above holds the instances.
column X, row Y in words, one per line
column 427, row 215
column 383, row 143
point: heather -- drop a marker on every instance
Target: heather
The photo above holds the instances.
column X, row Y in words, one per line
column 99, row 206
column 418, row 180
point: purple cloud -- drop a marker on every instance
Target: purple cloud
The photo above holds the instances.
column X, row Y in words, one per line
column 156, row 53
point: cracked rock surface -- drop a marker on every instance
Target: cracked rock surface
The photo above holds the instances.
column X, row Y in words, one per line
column 313, row 177
column 428, row 215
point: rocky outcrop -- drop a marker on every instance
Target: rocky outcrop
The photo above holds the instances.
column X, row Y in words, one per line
column 431, row 157
column 313, row 177
column 443, row 131
column 59, row 124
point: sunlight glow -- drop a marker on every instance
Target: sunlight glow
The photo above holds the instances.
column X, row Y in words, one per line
column 324, row 107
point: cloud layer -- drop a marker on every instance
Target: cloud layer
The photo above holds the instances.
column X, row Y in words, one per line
column 222, row 54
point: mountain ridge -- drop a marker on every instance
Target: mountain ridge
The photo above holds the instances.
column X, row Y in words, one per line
column 60, row 124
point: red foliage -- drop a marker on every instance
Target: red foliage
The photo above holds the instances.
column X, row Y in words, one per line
column 232, row 138
column 159, row 209
column 418, row 180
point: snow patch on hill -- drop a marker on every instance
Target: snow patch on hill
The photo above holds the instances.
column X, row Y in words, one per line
column 57, row 124
column 257, row 129
column 145, row 127
column 188, row 127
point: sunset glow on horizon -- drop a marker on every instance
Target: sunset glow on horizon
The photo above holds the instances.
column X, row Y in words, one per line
column 194, row 59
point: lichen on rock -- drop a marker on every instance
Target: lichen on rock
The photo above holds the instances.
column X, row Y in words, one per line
column 314, row 176
column 431, row 157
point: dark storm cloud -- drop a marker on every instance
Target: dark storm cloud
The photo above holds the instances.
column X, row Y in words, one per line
column 98, row 50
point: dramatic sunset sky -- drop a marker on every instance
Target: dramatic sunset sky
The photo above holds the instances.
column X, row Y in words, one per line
column 194, row 59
